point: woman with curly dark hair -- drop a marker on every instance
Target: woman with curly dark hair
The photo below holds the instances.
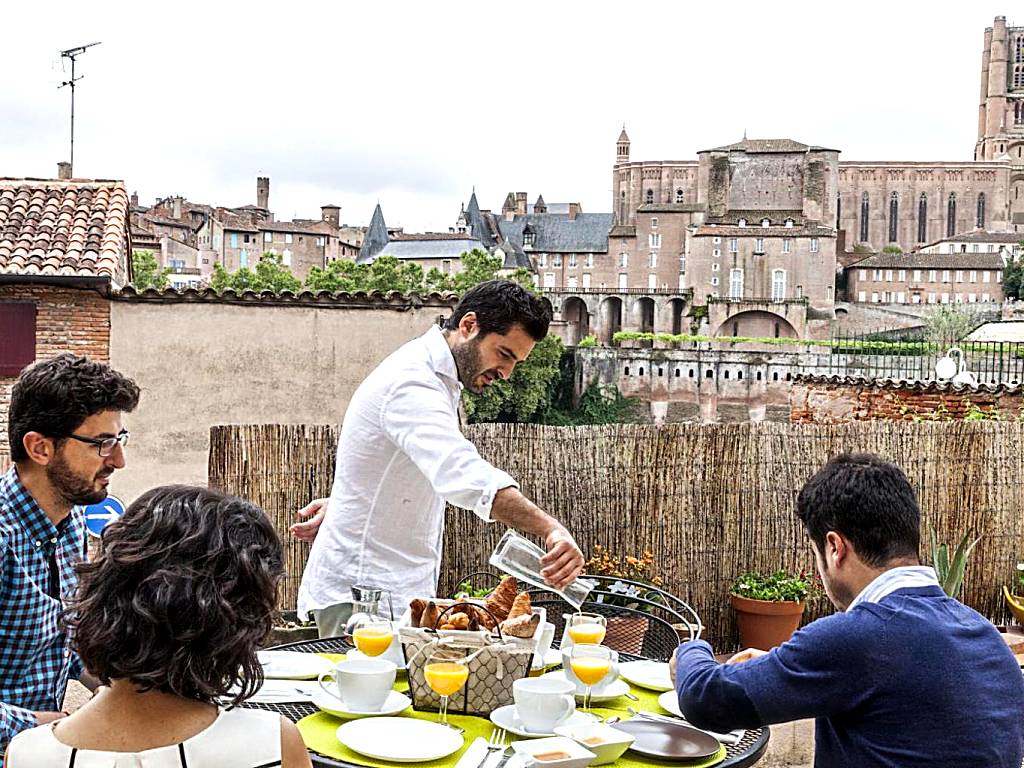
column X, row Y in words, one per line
column 169, row 617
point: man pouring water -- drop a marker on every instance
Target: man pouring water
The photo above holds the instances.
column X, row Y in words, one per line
column 402, row 455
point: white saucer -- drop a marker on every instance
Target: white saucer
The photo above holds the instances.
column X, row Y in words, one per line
column 506, row 717
column 653, row 675
column 551, row 659
column 396, row 702
column 400, row 739
column 612, row 690
column 291, row 665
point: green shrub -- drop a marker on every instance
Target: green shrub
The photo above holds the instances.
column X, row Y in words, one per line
column 776, row 587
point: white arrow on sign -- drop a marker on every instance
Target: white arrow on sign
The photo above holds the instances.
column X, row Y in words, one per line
column 109, row 514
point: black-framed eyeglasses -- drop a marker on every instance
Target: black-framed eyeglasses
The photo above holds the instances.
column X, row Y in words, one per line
column 104, row 446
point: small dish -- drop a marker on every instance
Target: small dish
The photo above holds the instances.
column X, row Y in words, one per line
column 654, row 675
column 569, row 753
column 507, row 718
column 396, row 702
column 612, row 690
column 605, row 742
column 291, row 665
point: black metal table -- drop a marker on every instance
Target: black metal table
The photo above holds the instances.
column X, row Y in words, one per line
column 747, row 752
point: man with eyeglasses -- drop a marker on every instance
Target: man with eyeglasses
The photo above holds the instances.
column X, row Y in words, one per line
column 66, row 438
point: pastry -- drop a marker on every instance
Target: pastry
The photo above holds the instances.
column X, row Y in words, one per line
column 456, row 621
column 520, row 606
column 416, row 607
column 500, row 600
column 430, row 615
column 524, row 625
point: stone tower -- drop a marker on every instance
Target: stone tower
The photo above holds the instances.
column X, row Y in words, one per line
column 263, row 192
column 622, row 148
column 1001, row 103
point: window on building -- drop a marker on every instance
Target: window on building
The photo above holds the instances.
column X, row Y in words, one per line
column 931, row 275
column 714, row 280
column 542, row 260
column 864, row 218
column 862, row 296
column 649, row 196
column 246, row 238
column 974, row 248
column 320, row 242
column 888, row 275
column 268, row 237
column 778, row 284
column 176, row 263
column 586, row 279
column 286, row 257
column 622, row 208
column 288, row 238
column 623, row 259
column 556, row 260
column 243, row 258
column 234, row 240
column 652, row 282
column 894, row 213
column 682, row 281
column 759, row 245
column 588, row 262
column 654, row 240
column 572, row 283
column 18, row 331
column 733, row 245
column 652, row 261
column 765, row 223
column 922, row 218
column 735, row 284
column 972, row 276
column 981, row 211
column 549, row 279
column 682, row 264
column 716, row 240
column 959, row 276
column 743, row 222
column 951, row 215
column 985, row 276
column 680, row 196
column 986, row 297
column 814, row 245
column 789, row 223
column 446, row 266
column 902, row 276
column 623, row 281
column 862, row 275
column 946, row 275
column 874, row 298
column 572, row 260
column 787, row 244
column 715, row 266
column 716, row 252
column 528, row 239
column 654, row 222
column 876, row 275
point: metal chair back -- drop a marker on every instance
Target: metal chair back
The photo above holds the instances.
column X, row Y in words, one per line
column 631, row 632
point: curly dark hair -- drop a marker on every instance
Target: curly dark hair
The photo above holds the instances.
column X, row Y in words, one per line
column 181, row 596
column 53, row 397
column 500, row 304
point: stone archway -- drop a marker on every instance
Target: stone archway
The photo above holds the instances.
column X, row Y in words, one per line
column 757, row 324
column 577, row 319
column 644, row 310
column 610, row 318
column 675, row 310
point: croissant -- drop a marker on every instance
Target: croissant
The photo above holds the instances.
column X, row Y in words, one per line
column 520, row 606
column 456, row 621
column 430, row 615
column 417, row 606
column 523, row 626
column 500, row 601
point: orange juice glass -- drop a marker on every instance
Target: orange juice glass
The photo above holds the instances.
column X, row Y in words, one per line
column 373, row 639
column 589, row 669
column 446, row 677
column 587, row 634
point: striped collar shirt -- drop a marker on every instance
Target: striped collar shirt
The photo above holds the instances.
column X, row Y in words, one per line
column 37, row 561
column 887, row 582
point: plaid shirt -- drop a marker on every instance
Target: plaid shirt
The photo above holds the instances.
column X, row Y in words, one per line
column 36, row 659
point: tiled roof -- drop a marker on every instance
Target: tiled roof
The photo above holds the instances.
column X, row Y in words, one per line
column 622, row 230
column 981, row 236
column 672, row 208
column 376, row 236
column 235, row 222
column 432, row 236
column 910, row 386
column 754, row 216
column 64, row 228
column 425, row 249
column 768, row 146
column 301, row 227
column 934, row 260
column 555, row 233
column 809, row 230
column 340, row 300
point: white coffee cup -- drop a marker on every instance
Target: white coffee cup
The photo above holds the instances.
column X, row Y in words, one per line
column 543, row 703
column 600, row 685
column 544, row 640
column 362, row 684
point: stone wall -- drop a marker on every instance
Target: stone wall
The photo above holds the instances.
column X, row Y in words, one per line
column 835, row 400
column 67, row 320
column 202, row 361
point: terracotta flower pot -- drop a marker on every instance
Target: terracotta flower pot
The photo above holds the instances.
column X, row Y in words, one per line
column 764, row 624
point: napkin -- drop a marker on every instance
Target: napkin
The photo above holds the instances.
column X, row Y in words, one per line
column 284, row 691
column 477, row 751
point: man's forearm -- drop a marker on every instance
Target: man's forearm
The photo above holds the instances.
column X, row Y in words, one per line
column 516, row 511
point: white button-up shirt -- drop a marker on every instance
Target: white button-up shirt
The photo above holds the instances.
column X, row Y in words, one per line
column 401, row 456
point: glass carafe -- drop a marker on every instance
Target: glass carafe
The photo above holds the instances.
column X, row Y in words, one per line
column 520, row 557
column 366, row 604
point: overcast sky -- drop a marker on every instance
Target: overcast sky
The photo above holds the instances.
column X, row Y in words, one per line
column 412, row 104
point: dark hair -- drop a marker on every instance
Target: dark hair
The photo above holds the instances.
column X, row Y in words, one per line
column 500, row 304
column 53, row 397
column 181, row 596
column 868, row 501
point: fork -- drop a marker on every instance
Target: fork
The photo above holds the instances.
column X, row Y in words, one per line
column 495, row 743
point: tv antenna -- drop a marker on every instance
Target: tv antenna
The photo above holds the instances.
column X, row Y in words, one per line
column 73, row 53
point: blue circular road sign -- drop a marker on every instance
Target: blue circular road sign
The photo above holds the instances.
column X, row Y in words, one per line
column 97, row 516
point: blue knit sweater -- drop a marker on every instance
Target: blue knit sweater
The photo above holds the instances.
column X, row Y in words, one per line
column 917, row 679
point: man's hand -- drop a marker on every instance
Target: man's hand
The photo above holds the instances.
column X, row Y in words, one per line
column 672, row 667
column 563, row 561
column 45, row 718
column 746, row 655
column 306, row 530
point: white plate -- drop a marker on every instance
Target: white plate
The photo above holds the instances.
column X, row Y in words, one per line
column 290, row 665
column 551, row 659
column 669, row 701
column 613, row 690
column 653, row 675
column 400, row 739
column 506, row 717
column 332, row 705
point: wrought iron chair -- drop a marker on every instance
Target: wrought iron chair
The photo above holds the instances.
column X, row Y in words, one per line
column 633, row 633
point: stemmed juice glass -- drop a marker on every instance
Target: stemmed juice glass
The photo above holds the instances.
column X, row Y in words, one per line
column 590, row 663
column 446, row 673
column 373, row 635
column 587, row 628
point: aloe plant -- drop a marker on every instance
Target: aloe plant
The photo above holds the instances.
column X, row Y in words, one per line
column 950, row 571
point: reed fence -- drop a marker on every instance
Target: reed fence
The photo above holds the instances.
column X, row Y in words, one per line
column 709, row 501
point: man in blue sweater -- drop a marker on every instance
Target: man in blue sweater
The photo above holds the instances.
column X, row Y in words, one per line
column 904, row 676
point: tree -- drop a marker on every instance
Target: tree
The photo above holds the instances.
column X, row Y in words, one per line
column 526, row 394
column 269, row 275
column 386, row 273
column 1013, row 278
column 146, row 272
column 949, row 323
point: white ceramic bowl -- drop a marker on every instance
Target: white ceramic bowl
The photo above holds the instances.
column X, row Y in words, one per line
column 612, row 742
column 579, row 757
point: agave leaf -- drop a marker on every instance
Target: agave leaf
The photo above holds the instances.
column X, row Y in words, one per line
column 955, row 577
column 942, row 563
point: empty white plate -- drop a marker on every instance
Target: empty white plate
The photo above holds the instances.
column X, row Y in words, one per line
column 400, row 739
column 506, row 717
column 332, row 705
column 290, row 665
column 669, row 701
column 653, row 675
column 612, row 690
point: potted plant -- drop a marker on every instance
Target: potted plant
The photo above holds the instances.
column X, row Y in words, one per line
column 1015, row 596
column 769, row 607
column 950, row 570
column 625, row 633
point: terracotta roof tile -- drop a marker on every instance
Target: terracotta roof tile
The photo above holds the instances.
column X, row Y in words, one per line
column 74, row 228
